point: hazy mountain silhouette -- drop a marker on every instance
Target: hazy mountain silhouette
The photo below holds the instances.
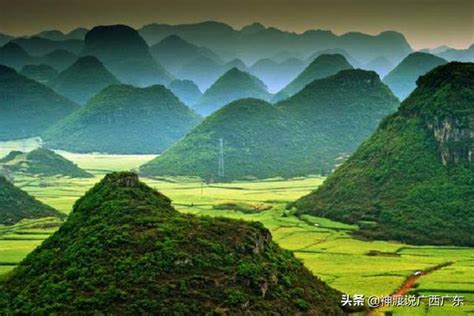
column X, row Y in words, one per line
column 27, row 107
column 84, row 79
column 234, row 84
column 323, row 66
column 41, row 73
column 186, row 90
column 123, row 119
column 402, row 79
column 125, row 54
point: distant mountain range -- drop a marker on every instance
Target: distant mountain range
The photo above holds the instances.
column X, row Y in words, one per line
column 186, row 90
column 41, row 73
column 38, row 46
column 402, row 79
column 234, row 84
column 121, row 49
column 28, row 107
column 83, row 79
column 323, row 66
column 55, row 35
column 277, row 75
column 123, row 119
column 175, row 52
column 309, row 133
column 464, row 55
column 256, row 41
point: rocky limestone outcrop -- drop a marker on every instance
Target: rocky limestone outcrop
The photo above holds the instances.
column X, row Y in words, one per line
column 455, row 137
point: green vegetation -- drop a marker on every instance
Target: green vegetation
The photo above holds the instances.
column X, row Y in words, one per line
column 325, row 246
column 307, row 134
column 174, row 52
column 124, row 119
column 27, row 107
column 234, row 84
column 414, row 176
column 42, row 162
column 245, row 208
column 258, row 143
column 37, row 46
column 203, row 71
column 83, row 79
column 323, row 66
column 59, row 59
column 402, row 79
column 186, row 90
column 41, row 73
column 12, row 55
column 125, row 54
column 16, row 205
column 125, row 249
column 277, row 75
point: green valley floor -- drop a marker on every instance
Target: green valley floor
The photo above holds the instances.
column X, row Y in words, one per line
column 326, row 247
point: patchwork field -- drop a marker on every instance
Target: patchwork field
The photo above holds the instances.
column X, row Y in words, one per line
column 326, row 247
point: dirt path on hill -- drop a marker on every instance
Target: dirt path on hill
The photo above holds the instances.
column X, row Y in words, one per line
column 408, row 284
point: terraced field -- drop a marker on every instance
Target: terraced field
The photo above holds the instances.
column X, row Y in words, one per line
column 326, row 247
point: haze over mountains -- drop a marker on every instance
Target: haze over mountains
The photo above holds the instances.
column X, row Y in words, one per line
column 323, row 66
column 82, row 80
column 133, row 65
column 234, row 84
column 277, row 75
column 186, row 90
column 299, row 136
column 124, row 119
column 256, row 41
column 41, row 73
column 27, row 107
column 413, row 177
column 175, row 52
column 402, row 79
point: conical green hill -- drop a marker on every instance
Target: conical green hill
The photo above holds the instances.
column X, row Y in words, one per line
column 125, row 250
column 16, row 205
column 412, row 180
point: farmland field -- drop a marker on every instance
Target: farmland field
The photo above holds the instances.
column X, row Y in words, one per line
column 326, row 247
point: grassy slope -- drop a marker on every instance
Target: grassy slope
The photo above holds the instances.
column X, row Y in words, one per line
column 333, row 254
column 16, row 205
column 306, row 134
column 234, row 84
column 83, row 79
column 147, row 257
column 124, row 119
column 323, row 66
column 249, row 128
column 397, row 179
column 42, row 162
column 28, row 107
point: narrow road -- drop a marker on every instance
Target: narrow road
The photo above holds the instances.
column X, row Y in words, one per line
column 409, row 284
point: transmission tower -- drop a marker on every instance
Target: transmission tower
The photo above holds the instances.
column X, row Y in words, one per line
column 220, row 171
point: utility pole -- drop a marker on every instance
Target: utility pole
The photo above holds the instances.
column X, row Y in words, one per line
column 220, row 171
